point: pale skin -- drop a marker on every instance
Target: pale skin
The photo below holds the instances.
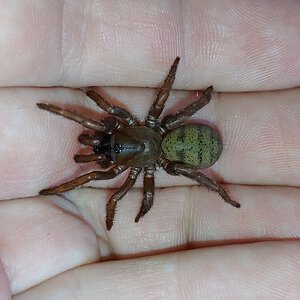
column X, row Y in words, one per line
column 55, row 246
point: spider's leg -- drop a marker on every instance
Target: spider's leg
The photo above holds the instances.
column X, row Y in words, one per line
column 172, row 121
column 118, row 195
column 95, row 175
column 86, row 122
column 85, row 158
column 89, row 140
column 162, row 96
column 100, row 158
column 112, row 124
column 113, row 110
column 177, row 168
column 149, row 188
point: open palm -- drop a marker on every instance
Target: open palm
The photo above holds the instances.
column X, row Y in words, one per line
column 191, row 244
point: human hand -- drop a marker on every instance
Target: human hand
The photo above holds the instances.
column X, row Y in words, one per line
column 58, row 247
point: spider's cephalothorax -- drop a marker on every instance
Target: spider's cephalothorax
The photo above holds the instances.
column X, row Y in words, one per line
column 119, row 142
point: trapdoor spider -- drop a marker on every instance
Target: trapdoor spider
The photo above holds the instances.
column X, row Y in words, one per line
column 120, row 142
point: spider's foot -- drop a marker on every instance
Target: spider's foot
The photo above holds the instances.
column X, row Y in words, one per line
column 227, row 198
column 234, row 203
column 146, row 205
column 208, row 91
column 141, row 213
column 48, row 192
column 56, row 190
column 137, row 218
column 110, row 214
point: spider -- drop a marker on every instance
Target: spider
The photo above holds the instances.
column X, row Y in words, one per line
column 120, row 142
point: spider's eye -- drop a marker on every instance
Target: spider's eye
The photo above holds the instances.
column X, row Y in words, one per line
column 118, row 148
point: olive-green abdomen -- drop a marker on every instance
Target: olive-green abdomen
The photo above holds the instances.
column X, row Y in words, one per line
column 197, row 145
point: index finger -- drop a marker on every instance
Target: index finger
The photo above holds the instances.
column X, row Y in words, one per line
column 260, row 137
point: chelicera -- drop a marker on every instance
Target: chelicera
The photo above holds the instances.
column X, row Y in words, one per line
column 120, row 142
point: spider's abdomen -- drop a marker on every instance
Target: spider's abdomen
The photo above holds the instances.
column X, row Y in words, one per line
column 196, row 144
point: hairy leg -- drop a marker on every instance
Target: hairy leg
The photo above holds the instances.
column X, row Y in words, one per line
column 113, row 110
column 162, row 96
column 149, row 188
column 172, row 121
column 86, row 158
column 86, row 122
column 118, row 195
column 79, row 181
column 177, row 168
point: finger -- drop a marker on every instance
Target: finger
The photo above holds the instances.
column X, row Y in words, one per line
column 260, row 135
column 191, row 217
column 261, row 140
column 43, row 238
column 230, row 45
column 39, row 239
column 261, row 270
column 5, row 292
column 26, row 135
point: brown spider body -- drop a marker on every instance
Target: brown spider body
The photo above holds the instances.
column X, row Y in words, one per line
column 137, row 146
column 119, row 142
